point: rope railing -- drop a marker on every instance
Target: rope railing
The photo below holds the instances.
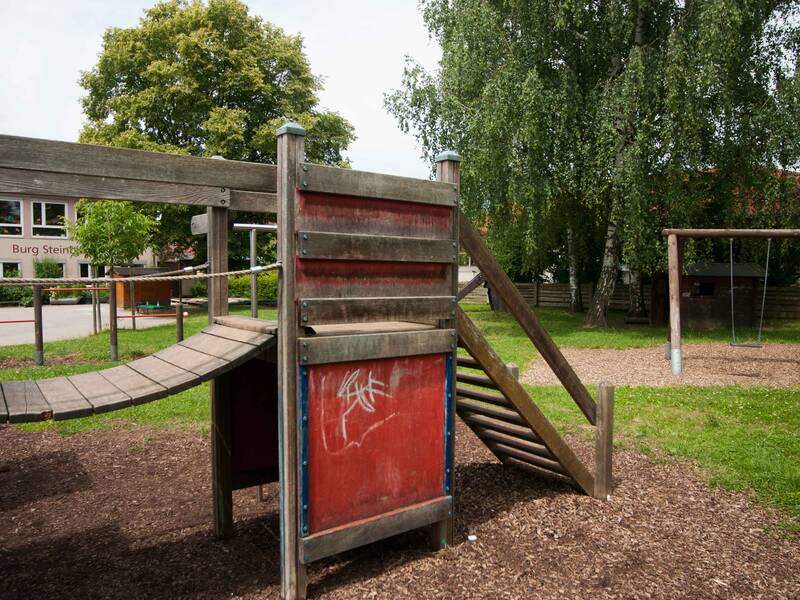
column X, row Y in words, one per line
column 32, row 281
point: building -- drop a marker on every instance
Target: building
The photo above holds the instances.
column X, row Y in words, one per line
column 32, row 228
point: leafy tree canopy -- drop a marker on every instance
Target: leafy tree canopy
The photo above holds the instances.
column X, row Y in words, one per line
column 206, row 79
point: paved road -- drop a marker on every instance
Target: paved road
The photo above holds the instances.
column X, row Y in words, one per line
column 61, row 323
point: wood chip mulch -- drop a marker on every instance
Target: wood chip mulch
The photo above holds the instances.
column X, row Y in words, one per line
column 126, row 513
column 704, row 365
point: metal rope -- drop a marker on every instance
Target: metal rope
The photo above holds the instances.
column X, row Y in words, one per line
column 23, row 282
column 733, row 324
column 764, row 291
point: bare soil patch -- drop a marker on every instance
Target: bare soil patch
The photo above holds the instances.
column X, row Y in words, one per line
column 704, row 365
column 24, row 363
column 126, row 513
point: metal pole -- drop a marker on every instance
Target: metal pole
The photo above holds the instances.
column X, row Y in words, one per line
column 37, row 325
column 253, row 277
column 112, row 319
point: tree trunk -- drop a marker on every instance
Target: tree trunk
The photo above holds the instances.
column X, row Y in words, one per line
column 597, row 315
column 636, row 305
column 575, row 300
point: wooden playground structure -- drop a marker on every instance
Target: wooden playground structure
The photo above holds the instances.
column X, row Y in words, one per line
column 349, row 399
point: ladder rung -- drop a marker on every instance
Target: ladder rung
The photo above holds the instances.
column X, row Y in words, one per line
column 479, row 380
column 527, row 457
column 483, row 396
column 511, row 461
column 485, row 422
column 515, row 442
column 504, row 414
column 466, row 361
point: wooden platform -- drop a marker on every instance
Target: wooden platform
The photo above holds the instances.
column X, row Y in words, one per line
column 210, row 353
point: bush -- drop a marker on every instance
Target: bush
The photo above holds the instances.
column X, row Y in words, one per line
column 67, row 294
column 21, row 295
column 46, row 268
column 266, row 286
column 200, row 289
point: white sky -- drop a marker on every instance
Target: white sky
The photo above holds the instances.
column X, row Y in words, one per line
column 358, row 46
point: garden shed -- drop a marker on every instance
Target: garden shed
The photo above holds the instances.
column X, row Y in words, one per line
column 145, row 292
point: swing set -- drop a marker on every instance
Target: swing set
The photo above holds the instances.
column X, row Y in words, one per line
column 675, row 239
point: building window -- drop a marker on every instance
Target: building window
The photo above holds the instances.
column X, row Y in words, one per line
column 86, row 271
column 10, row 268
column 11, row 217
column 49, row 219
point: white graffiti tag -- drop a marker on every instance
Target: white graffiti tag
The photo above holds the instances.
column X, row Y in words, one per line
column 357, row 394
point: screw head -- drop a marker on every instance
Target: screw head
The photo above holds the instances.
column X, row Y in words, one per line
column 305, row 358
column 305, row 304
column 305, row 318
column 223, row 202
column 305, row 418
column 305, row 168
column 305, row 236
column 305, row 183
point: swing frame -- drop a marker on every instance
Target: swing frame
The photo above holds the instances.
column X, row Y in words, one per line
column 675, row 238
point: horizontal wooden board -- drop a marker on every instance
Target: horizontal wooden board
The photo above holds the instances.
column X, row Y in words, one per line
column 122, row 163
column 515, row 442
column 258, row 202
column 99, row 392
column 478, row 380
column 484, row 422
column 344, row 246
column 532, row 459
column 251, row 338
column 171, row 377
column 343, row 348
column 25, row 402
column 247, row 324
column 334, row 180
column 139, row 388
column 376, row 216
column 41, row 183
column 64, row 399
column 324, row 311
column 496, row 412
column 473, row 394
column 334, row 541
column 219, row 347
column 199, row 363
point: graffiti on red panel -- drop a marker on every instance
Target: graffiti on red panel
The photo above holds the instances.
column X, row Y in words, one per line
column 358, row 408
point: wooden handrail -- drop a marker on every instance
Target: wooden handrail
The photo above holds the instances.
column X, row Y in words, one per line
column 519, row 309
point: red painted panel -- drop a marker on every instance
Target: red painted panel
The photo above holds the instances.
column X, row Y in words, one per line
column 353, row 278
column 333, row 212
column 375, row 437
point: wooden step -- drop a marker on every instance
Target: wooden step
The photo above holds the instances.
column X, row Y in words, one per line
column 527, row 457
column 466, row 361
column 514, row 442
column 496, row 412
column 517, row 431
column 479, row 380
column 496, row 399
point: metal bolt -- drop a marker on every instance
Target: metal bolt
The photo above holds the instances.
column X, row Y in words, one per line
column 447, row 488
column 305, row 506
column 448, row 434
column 305, row 418
column 305, row 358
column 305, row 304
column 305, row 183
column 452, row 313
column 305, row 464
column 305, row 529
column 305, row 344
column 452, row 346
column 305, row 168
column 455, row 188
column 447, row 470
column 305, row 318
column 449, row 395
column 222, row 189
column 223, row 201
column 305, row 236
column 454, row 244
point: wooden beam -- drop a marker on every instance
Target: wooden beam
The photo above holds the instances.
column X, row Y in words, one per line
column 344, row 246
column 333, row 180
column 322, row 311
column 494, row 367
column 674, row 276
column 473, row 284
column 122, row 163
column 260, row 202
column 516, row 305
column 732, row 233
column 604, row 442
column 199, row 224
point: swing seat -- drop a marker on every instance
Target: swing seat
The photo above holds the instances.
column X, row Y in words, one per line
column 746, row 345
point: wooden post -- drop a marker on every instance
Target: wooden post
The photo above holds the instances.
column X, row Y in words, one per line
column 536, row 293
column 291, row 152
column 112, row 319
column 38, row 336
column 448, row 169
column 253, row 277
column 676, row 358
column 179, row 316
column 221, row 475
column 133, row 305
column 604, row 442
column 514, row 369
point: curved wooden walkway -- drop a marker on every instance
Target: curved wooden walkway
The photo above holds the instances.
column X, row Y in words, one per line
column 218, row 348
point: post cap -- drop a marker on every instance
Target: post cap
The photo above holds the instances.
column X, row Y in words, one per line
column 448, row 155
column 291, row 127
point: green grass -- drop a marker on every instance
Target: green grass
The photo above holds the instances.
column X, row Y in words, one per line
column 741, row 438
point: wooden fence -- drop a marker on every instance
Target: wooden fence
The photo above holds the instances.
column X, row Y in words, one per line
column 781, row 302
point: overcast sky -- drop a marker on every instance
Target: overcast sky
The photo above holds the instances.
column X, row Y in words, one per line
column 358, row 46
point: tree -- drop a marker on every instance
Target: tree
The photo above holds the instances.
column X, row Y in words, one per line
column 110, row 232
column 585, row 127
column 206, row 79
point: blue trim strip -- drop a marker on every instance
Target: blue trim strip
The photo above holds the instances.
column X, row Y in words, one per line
column 302, row 425
column 449, row 362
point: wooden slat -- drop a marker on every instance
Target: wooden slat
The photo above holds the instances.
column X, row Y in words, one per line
column 527, row 457
column 202, row 365
column 171, row 377
column 247, row 323
column 260, row 202
column 25, row 402
column 64, row 398
column 41, row 183
column 473, row 394
column 496, row 412
column 485, row 422
column 473, row 284
column 344, row 246
column 139, row 388
column 325, row 311
column 516, row 305
column 333, row 180
column 334, row 541
column 103, row 161
column 482, row 351
column 341, row 348
column 3, row 408
column 466, row 361
column 478, row 380
column 222, row 348
column 528, row 467
column 515, row 442
column 99, row 392
column 244, row 336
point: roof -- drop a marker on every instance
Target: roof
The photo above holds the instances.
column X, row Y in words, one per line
column 709, row 269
